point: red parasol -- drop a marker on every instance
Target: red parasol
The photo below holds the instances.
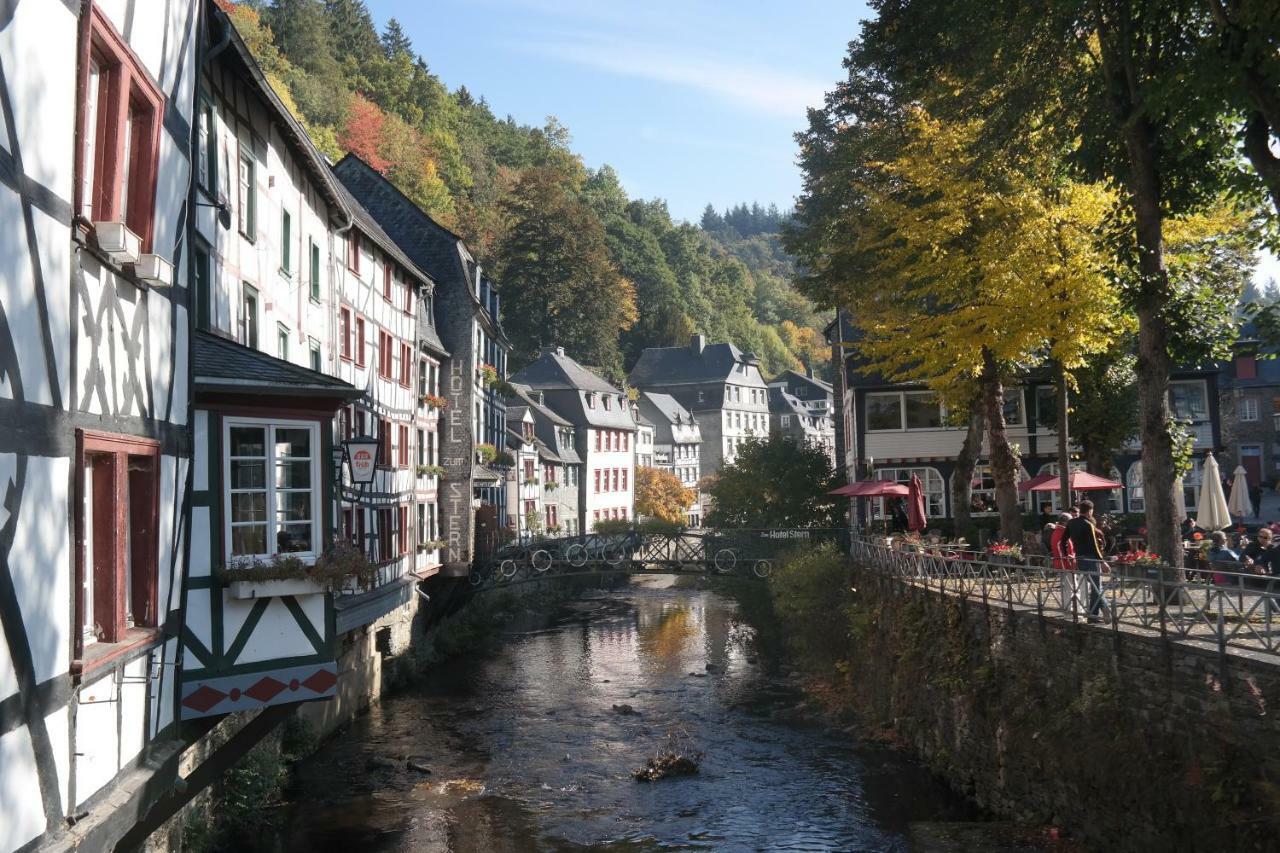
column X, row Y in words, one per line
column 1080, row 481
column 916, row 518
column 871, row 489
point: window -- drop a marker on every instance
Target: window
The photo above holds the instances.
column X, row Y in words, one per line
column 353, row 251
column 1013, row 407
column 120, row 138
column 1191, row 482
column 384, row 443
column 200, row 274
column 386, row 537
column 388, row 275
column 615, row 479
column 207, row 165
column 786, row 420
column 1246, row 367
column 983, row 493
column 597, row 491
column 422, row 524
column 922, row 410
column 246, row 200
column 116, row 569
column 406, row 365
column 344, row 332
column 624, row 479
column 249, row 315
column 591, row 404
column 282, row 341
column 384, row 354
column 1047, row 407
column 626, row 441
column 1248, row 408
column 272, row 481
column 408, row 297
column 422, row 447
column 598, row 440
column 315, row 270
column 404, row 446
column 1187, row 399
column 884, row 412
column 286, row 243
column 360, row 342
column 313, row 348
column 608, row 402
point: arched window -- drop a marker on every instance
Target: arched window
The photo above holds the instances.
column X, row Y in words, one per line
column 935, row 489
column 1112, row 502
column 1191, row 483
column 982, row 499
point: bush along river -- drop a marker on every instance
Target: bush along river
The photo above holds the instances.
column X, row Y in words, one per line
column 534, row 746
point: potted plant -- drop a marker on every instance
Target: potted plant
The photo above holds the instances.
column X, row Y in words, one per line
column 433, row 401
column 551, row 485
column 430, row 470
column 486, row 453
column 1004, row 553
column 503, row 459
column 341, row 565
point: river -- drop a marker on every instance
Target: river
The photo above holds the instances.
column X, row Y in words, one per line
column 527, row 753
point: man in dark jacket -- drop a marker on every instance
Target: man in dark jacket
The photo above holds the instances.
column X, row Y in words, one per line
column 1088, row 541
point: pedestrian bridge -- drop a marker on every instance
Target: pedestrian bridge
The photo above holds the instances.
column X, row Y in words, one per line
column 734, row 552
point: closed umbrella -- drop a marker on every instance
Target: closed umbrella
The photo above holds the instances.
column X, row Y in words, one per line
column 1239, row 502
column 1179, row 501
column 1213, row 512
column 916, row 517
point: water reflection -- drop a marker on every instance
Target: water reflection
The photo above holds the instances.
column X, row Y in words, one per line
column 526, row 752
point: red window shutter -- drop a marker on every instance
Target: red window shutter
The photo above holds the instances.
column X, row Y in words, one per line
column 404, row 446
column 360, row 341
column 1246, row 367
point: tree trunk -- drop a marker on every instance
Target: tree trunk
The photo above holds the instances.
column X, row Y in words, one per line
column 1257, row 147
column 1064, row 426
column 966, row 462
column 1004, row 462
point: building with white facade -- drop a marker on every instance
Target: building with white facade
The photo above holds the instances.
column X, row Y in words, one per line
column 677, row 443
column 561, row 473
column 801, row 408
column 604, row 433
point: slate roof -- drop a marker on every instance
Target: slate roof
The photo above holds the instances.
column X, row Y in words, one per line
column 555, row 370
column 662, row 366
column 791, row 377
column 525, row 394
column 429, row 244
column 222, row 365
column 667, row 405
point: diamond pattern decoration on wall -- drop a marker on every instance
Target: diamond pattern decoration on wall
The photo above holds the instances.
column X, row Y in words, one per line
column 265, row 689
column 320, row 681
column 204, row 698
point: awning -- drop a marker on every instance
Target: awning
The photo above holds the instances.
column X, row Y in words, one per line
column 872, row 489
column 1079, row 481
column 482, row 476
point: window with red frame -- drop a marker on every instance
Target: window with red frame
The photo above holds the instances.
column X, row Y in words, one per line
column 353, row 251
column 529, row 469
column 408, row 297
column 624, row 479
column 597, row 482
column 598, row 439
column 624, row 513
column 626, row 441
column 384, row 443
column 386, row 537
column 406, row 365
column 404, row 446
column 117, row 574
column 388, row 277
column 615, row 479
column 120, row 114
column 360, row 342
column 596, row 515
column 402, row 530
column 344, row 331
column 384, row 354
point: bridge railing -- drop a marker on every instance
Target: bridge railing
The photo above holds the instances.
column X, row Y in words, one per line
column 1209, row 605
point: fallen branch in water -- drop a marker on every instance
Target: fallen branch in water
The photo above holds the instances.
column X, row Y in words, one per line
column 672, row 759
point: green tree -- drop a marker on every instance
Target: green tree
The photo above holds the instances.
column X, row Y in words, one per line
column 559, row 284
column 774, row 482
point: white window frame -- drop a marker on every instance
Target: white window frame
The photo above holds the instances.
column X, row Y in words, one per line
column 1249, row 409
column 1204, row 393
column 929, row 476
column 317, row 486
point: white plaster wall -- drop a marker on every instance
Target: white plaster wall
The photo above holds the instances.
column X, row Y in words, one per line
column 43, row 91
column 97, row 741
column 277, row 635
column 40, row 562
column 23, row 810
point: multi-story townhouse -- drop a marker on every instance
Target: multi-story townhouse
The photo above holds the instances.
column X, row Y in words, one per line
column 266, row 212
column 381, row 349
column 96, row 450
column 801, row 407
column 644, row 438
column 677, row 442
column 431, row 360
column 604, row 429
column 900, row 430
column 719, row 384
column 1250, row 406
column 524, row 479
column 561, row 464
column 466, row 313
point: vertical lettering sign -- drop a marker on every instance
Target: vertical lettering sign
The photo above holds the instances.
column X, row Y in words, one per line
column 456, row 459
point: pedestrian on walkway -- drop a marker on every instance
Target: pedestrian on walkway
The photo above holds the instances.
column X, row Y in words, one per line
column 1089, row 546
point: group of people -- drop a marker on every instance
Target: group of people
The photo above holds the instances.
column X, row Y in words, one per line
column 1076, row 541
column 1260, row 555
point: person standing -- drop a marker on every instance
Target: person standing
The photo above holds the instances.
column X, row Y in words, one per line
column 1090, row 548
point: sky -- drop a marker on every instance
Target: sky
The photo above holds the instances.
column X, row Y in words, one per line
column 692, row 101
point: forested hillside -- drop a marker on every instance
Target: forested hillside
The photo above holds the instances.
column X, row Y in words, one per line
column 579, row 263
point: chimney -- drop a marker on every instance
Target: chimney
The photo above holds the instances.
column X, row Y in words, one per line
column 697, row 344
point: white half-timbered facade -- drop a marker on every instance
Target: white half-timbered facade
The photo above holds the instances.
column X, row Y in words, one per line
column 95, row 117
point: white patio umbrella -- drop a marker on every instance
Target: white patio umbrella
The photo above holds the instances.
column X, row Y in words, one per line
column 1213, row 512
column 1239, row 502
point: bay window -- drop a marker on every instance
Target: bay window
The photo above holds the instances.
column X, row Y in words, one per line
column 1188, row 401
column 272, row 491
column 884, row 411
column 922, row 410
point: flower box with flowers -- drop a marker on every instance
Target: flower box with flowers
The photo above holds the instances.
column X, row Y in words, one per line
column 342, row 566
column 431, row 545
column 430, row 470
column 1004, row 553
column 486, row 453
column 433, row 401
column 551, row 485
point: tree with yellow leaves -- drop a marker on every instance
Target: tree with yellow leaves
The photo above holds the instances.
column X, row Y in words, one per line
column 977, row 272
column 661, row 495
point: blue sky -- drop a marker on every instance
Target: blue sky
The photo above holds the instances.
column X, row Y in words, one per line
column 692, row 101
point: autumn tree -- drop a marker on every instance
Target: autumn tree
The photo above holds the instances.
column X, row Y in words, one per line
column 774, row 482
column 559, row 284
column 661, row 495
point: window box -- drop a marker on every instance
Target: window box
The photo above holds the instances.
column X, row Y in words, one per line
column 154, row 270
column 430, row 470
column 432, row 401
column 119, row 244
column 272, row 589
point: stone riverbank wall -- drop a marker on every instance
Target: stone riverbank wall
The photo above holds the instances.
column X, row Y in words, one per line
column 1126, row 742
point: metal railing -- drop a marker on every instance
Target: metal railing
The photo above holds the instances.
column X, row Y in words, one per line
column 1208, row 605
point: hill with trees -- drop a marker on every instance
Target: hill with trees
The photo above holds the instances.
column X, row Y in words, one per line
column 520, row 196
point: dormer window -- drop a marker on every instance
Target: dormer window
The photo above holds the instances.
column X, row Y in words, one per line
column 591, row 401
column 608, row 403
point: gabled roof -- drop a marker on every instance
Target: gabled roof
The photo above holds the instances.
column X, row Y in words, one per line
column 662, row 366
column 793, row 377
column 218, row 364
column 525, row 395
column 668, row 407
column 555, row 370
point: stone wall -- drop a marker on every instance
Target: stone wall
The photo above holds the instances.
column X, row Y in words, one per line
column 1126, row 742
